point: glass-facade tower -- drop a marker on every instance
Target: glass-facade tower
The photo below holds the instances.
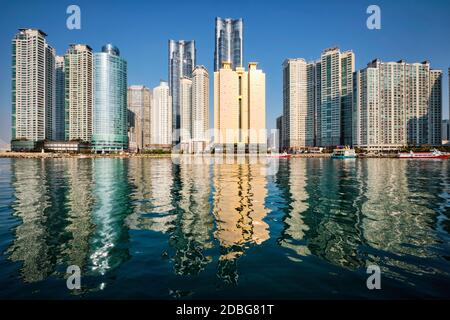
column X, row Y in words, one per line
column 229, row 42
column 182, row 57
column 110, row 101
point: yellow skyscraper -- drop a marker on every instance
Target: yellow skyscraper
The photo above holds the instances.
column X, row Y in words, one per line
column 240, row 107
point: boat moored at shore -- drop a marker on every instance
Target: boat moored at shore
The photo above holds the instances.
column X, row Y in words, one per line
column 343, row 153
column 434, row 154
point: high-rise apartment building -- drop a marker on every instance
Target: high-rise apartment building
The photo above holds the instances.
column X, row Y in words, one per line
column 318, row 101
column 298, row 105
column 139, row 120
column 445, row 132
column 182, row 60
column 229, row 43
column 239, row 108
column 397, row 104
column 110, row 125
column 335, row 126
column 186, row 113
column 59, row 109
column 194, row 100
column 79, row 88
column 200, row 109
column 33, row 86
column 279, row 125
column 161, row 117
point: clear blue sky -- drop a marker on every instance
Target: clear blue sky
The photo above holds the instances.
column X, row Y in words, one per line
column 273, row 30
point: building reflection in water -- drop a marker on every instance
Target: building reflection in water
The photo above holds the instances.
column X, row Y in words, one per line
column 191, row 235
column 153, row 209
column 30, row 206
column 79, row 203
column 239, row 209
column 322, row 211
column 109, row 241
column 397, row 218
column 348, row 214
column 292, row 181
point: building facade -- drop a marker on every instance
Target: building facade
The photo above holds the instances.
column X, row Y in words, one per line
column 279, row 125
column 139, row 120
column 397, row 104
column 445, row 132
column 298, row 105
column 318, row 101
column 200, row 109
column 239, row 109
column 79, row 89
column 336, row 87
column 33, row 86
column 186, row 114
column 182, row 59
column 229, row 40
column 161, row 117
column 194, row 98
column 59, row 109
column 110, row 125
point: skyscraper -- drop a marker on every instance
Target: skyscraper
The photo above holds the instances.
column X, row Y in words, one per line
column 182, row 59
column 279, row 124
column 33, row 86
column 298, row 104
column 239, row 108
column 194, row 100
column 397, row 104
column 335, row 126
column 79, row 90
column 58, row 115
column 186, row 113
column 139, row 121
column 445, row 132
column 200, row 108
column 110, row 130
column 229, row 43
column 161, row 118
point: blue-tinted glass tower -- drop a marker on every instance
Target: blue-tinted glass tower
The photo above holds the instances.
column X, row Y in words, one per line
column 110, row 101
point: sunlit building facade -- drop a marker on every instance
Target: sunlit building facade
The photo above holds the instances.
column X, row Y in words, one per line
column 336, row 87
column 298, row 105
column 79, row 92
column 161, row 117
column 110, row 101
column 58, row 114
column 33, row 86
column 200, row 109
column 182, row 60
column 239, row 108
column 139, row 122
column 397, row 104
column 229, row 40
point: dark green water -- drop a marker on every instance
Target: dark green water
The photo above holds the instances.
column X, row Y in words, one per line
column 149, row 228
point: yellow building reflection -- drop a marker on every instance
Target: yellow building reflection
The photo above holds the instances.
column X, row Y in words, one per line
column 239, row 209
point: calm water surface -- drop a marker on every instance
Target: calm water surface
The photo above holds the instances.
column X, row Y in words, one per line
column 151, row 228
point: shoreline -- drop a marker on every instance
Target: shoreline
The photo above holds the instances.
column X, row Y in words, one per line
column 50, row 155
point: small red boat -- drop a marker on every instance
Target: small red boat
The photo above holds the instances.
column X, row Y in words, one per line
column 435, row 154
